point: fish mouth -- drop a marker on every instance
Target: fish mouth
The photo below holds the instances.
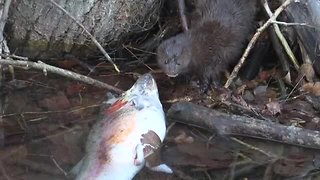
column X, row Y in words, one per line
column 144, row 85
column 172, row 75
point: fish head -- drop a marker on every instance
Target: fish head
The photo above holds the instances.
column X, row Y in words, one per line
column 144, row 93
column 144, row 86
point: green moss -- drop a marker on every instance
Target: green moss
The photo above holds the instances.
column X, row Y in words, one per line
column 39, row 45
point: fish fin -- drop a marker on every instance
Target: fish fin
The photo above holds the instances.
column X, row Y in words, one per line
column 151, row 142
column 160, row 168
column 153, row 160
column 138, row 155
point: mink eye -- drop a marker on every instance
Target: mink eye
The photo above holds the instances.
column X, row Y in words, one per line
column 174, row 58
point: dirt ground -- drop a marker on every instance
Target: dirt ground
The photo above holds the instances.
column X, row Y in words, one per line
column 47, row 120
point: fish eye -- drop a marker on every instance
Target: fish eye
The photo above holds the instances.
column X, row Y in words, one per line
column 133, row 103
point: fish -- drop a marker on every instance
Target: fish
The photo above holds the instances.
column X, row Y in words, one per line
column 127, row 136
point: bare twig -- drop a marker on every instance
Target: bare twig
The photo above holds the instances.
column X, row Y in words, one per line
column 282, row 56
column 139, row 49
column 280, row 36
column 48, row 68
column 183, row 17
column 14, row 57
column 135, row 56
column 94, row 40
column 253, row 41
column 49, row 112
column 291, row 24
column 58, row 166
column 296, row 86
column 254, row 148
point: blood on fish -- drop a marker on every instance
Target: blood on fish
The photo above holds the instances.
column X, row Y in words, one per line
column 116, row 106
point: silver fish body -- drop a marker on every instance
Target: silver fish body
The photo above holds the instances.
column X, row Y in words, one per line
column 128, row 130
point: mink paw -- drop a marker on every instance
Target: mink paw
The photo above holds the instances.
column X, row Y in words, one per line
column 205, row 86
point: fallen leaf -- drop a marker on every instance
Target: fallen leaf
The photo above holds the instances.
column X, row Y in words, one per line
column 274, row 108
column 265, row 75
column 183, row 138
column 313, row 88
column 58, row 102
column 307, row 71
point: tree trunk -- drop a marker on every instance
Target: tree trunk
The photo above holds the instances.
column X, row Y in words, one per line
column 38, row 29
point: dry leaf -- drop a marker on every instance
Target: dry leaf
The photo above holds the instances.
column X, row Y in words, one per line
column 312, row 88
column 183, row 138
column 307, row 71
column 273, row 108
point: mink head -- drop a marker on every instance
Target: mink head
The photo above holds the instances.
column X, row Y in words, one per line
column 174, row 55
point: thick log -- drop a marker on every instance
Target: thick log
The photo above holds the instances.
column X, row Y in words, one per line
column 230, row 124
column 37, row 28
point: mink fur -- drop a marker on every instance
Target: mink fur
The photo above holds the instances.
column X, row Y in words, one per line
column 218, row 33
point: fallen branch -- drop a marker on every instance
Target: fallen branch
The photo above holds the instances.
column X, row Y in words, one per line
column 94, row 40
column 48, row 68
column 228, row 124
column 14, row 57
column 253, row 41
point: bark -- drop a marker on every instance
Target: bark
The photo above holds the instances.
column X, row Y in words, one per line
column 38, row 29
column 228, row 124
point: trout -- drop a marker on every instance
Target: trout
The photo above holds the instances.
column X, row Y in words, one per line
column 127, row 136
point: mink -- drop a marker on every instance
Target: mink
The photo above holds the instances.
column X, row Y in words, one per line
column 218, row 33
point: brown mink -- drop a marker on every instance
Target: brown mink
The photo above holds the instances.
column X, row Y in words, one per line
column 218, row 32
